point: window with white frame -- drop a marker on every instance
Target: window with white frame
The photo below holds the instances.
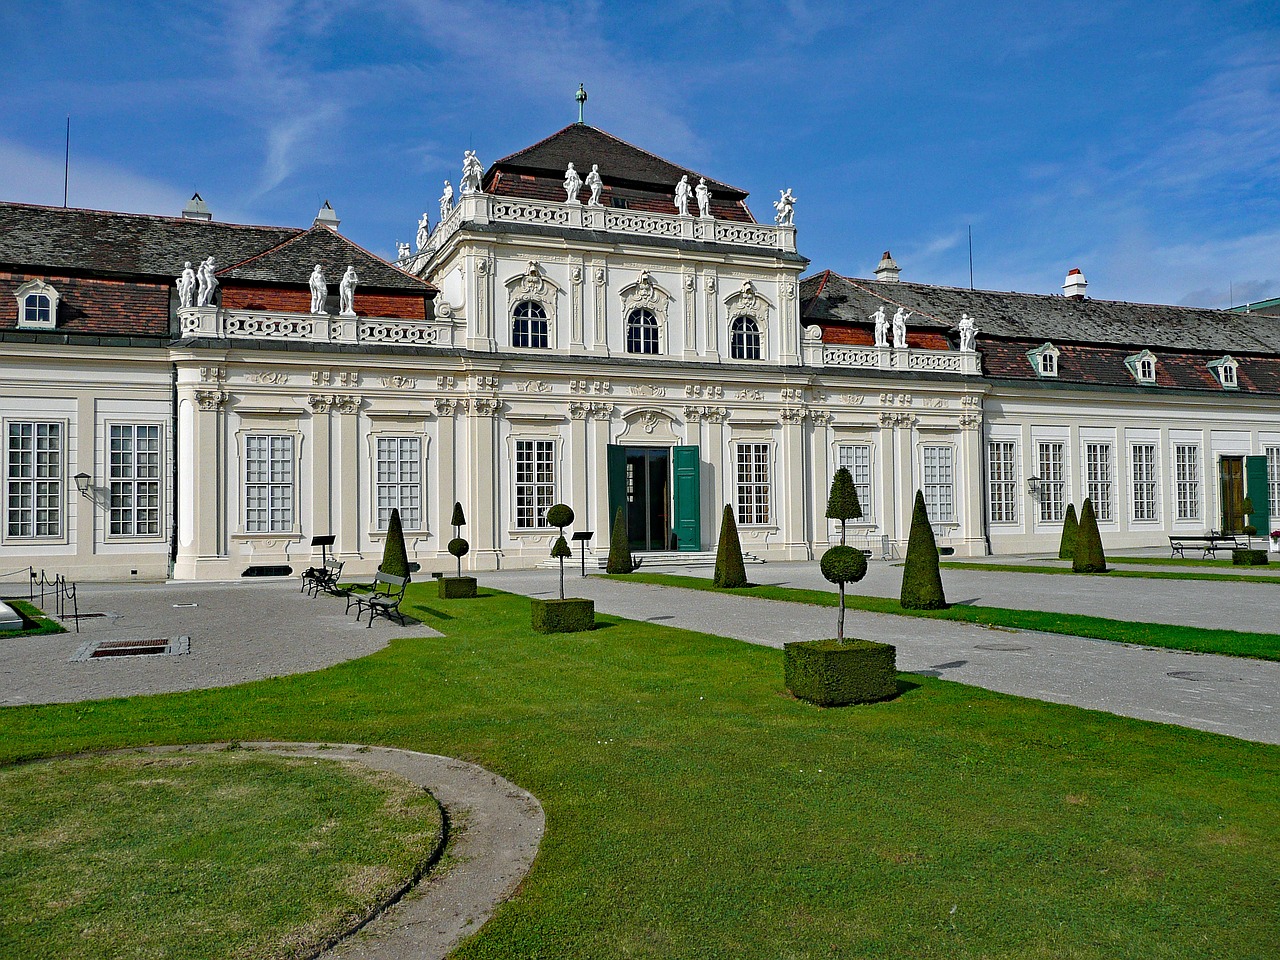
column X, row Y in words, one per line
column 744, row 339
column 1225, row 370
column 1053, row 481
column 37, row 305
column 1098, row 478
column 1187, row 480
column 1045, row 360
column 1273, row 484
column 753, row 483
column 133, row 476
column 642, row 332
column 856, row 457
column 1002, row 480
column 529, row 325
column 268, row 483
column 1142, row 366
column 1142, row 466
column 399, row 481
column 33, row 479
column 939, row 484
column 535, row 482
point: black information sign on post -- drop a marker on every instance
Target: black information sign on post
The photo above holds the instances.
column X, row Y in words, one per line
column 584, row 536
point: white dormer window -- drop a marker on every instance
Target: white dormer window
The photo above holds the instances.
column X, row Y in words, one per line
column 1142, row 366
column 37, row 306
column 1225, row 370
column 1044, row 360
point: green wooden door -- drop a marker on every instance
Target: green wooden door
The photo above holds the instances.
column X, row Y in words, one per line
column 616, row 465
column 688, row 512
column 1255, row 487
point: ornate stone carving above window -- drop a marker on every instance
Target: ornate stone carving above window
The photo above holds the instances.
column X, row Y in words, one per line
column 37, row 305
column 645, row 295
column 532, row 287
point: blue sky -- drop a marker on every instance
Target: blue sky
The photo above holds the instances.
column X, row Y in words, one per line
column 1137, row 141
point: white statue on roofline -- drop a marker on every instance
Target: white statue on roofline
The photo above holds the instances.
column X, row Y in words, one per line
column 424, row 231
column 446, row 201
column 186, row 285
column 704, row 197
column 319, row 290
column 882, row 326
column 471, row 173
column 347, row 292
column 683, row 193
column 572, row 184
column 595, row 184
column 403, row 252
column 900, row 318
column 786, row 207
column 968, row 334
column 207, row 283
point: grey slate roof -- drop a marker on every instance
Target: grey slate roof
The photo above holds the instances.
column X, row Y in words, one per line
column 291, row 262
column 830, row 298
column 98, row 241
column 619, row 161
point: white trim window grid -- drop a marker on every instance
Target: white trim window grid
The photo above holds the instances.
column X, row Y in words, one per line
column 33, row 479
column 268, row 483
column 535, row 482
column 529, row 325
column 133, row 476
column 1187, row 480
column 1002, row 480
column 37, row 310
column 1044, row 360
column 856, row 457
column 1273, row 485
column 642, row 331
column 939, row 484
column 1142, row 465
column 1053, row 480
column 398, row 473
column 753, row 483
column 1099, row 479
column 744, row 339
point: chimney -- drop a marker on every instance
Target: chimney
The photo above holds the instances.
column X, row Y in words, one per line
column 1075, row 284
column 326, row 217
column 196, row 209
column 888, row 270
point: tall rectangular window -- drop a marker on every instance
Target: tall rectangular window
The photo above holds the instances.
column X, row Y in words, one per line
column 1098, row 478
column 1002, row 480
column 1273, row 485
column 33, row 479
column 1143, row 468
column 399, row 481
column 856, row 457
column 535, row 482
column 939, row 485
column 1053, row 481
column 753, row 483
column 1187, row 479
column 268, row 483
column 134, row 478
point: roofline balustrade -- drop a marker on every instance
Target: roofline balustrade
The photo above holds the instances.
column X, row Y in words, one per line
column 220, row 324
column 820, row 354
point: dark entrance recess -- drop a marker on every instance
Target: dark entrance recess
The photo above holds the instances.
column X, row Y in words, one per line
column 1231, row 487
column 658, row 491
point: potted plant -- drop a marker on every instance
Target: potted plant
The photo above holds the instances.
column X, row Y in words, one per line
column 1275, row 541
column 459, row 586
column 571, row 615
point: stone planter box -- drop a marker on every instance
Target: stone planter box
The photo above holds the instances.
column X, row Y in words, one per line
column 834, row 674
column 572, row 615
column 455, row 588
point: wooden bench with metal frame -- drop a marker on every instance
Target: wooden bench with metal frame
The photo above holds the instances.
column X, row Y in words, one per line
column 323, row 578
column 1210, row 543
column 382, row 600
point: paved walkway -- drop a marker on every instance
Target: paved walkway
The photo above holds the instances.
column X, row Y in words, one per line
column 1228, row 695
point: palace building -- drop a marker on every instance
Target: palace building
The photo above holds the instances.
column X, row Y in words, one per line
column 589, row 324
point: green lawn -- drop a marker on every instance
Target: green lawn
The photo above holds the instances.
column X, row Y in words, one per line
column 36, row 622
column 200, row 855
column 696, row 810
column 1235, row 643
column 1114, row 574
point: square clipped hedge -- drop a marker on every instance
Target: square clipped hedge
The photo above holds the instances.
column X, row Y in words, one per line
column 834, row 674
column 571, row 615
column 456, row 588
column 1249, row 558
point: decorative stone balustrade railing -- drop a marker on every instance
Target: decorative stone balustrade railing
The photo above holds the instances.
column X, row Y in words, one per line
column 216, row 323
column 483, row 208
column 888, row 358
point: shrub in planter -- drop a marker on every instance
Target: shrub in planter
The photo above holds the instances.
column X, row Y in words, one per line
column 1249, row 558
column 1070, row 530
column 562, row 616
column 620, row 559
column 395, row 558
column 1089, row 557
column 921, row 578
column 832, row 673
column 730, row 571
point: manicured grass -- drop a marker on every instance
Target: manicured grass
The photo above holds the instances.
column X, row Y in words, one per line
column 1235, row 643
column 696, row 810
column 37, row 623
column 1170, row 562
column 1112, row 574
column 200, row 855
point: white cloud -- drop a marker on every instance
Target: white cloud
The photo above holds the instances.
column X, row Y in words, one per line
column 28, row 176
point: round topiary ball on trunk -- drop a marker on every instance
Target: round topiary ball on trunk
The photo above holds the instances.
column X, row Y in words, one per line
column 559, row 515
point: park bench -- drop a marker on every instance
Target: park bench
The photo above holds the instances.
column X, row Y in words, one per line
column 324, row 542
column 323, row 578
column 382, row 599
column 1210, row 543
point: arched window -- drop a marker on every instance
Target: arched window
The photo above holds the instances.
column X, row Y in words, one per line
column 642, row 332
column 744, row 339
column 529, row 325
column 37, row 305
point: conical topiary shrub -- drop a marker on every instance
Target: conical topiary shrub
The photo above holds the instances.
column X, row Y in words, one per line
column 395, row 558
column 842, row 502
column 620, row 559
column 730, row 571
column 1089, row 557
column 921, row 578
column 1070, row 530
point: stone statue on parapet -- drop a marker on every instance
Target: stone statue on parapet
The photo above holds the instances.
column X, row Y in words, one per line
column 595, row 184
column 471, row 173
column 704, row 197
column 968, row 334
column 572, row 184
column 446, row 202
column 319, row 290
column 347, row 292
column 786, row 207
column 424, row 232
column 186, row 285
column 882, row 326
column 683, row 193
column 207, row 283
column 900, row 318
column 404, row 251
